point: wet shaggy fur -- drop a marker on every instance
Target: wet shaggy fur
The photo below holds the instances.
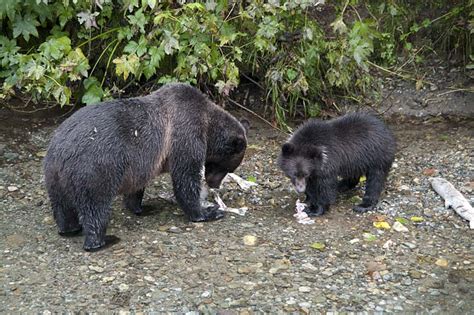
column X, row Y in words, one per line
column 118, row 146
column 347, row 147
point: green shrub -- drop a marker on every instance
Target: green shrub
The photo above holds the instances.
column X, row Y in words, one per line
column 88, row 51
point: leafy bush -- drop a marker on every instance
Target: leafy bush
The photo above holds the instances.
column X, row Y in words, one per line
column 90, row 50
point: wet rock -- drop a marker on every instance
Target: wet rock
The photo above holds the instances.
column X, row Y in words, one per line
column 96, row 269
column 442, row 262
column 415, row 274
column 397, row 226
column 175, row 229
column 12, row 188
column 15, row 240
column 149, row 278
column 11, row 156
column 281, row 264
column 304, row 289
column 108, row 279
column 250, row 240
column 123, row 287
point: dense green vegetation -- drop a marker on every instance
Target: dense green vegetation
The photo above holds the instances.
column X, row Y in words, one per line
column 302, row 53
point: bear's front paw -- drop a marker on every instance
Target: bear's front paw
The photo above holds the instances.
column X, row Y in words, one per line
column 361, row 208
column 71, row 232
column 211, row 213
column 315, row 211
column 94, row 246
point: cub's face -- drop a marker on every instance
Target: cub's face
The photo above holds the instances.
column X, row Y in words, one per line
column 227, row 158
column 300, row 163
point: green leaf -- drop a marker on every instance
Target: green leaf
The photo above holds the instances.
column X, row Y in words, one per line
column 269, row 27
column 151, row 3
column 402, row 220
column 76, row 64
column 361, row 52
column 426, row 23
column 338, row 26
column 369, row 237
column 56, row 48
column 138, row 19
column 156, row 55
column 8, row 52
column 169, row 43
column 131, row 47
column 34, row 70
column 93, row 93
column 25, row 26
column 9, row 8
column 195, row 6
column 291, row 74
column 227, row 34
column 164, row 15
column 62, row 94
column 417, row 219
column 126, row 65
column 319, row 246
column 252, row 179
column 124, row 33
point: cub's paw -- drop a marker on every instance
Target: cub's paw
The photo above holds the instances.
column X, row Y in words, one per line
column 315, row 211
column 133, row 206
column 137, row 210
column 211, row 213
column 361, row 208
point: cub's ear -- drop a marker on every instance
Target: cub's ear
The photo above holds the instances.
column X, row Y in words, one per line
column 238, row 145
column 246, row 124
column 287, row 149
column 318, row 152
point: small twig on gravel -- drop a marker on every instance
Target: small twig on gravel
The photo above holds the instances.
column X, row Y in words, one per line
column 455, row 90
column 256, row 115
column 18, row 110
column 407, row 77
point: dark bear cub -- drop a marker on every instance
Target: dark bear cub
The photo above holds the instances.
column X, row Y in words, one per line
column 347, row 147
column 118, row 146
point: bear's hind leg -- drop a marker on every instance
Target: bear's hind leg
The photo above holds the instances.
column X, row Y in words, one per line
column 347, row 184
column 95, row 217
column 373, row 189
column 64, row 214
column 321, row 193
column 133, row 202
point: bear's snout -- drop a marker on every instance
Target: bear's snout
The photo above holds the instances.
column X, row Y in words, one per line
column 300, row 185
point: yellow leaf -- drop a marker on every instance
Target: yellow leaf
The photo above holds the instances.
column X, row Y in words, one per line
column 417, row 219
column 382, row 225
column 418, row 84
column 41, row 153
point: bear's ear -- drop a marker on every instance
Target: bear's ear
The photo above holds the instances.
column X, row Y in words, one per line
column 287, row 149
column 246, row 124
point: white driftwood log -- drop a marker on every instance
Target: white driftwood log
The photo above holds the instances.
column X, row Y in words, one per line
column 453, row 198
